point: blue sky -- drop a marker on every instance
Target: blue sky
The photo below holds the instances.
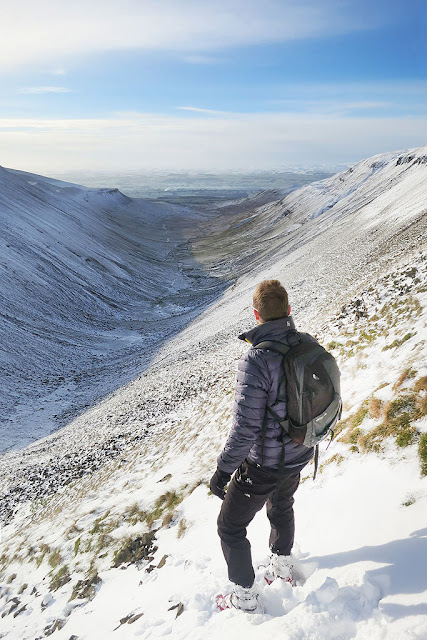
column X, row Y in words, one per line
column 237, row 84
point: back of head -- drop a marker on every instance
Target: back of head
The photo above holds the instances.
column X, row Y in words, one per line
column 271, row 300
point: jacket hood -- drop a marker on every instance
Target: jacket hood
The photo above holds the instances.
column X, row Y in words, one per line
column 270, row 330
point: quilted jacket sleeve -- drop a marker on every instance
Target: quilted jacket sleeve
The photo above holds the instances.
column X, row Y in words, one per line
column 252, row 387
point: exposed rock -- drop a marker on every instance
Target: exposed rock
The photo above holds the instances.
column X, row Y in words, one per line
column 162, row 561
column 134, row 618
column 23, row 608
column 179, row 607
column 14, row 604
column 86, row 588
column 150, row 568
column 129, row 619
column 56, row 625
column 136, row 550
column 168, row 476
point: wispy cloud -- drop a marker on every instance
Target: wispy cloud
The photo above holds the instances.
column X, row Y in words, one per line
column 45, row 90
column 213, row 112
column 349, row 98
column 30, row 32
column 148, row 141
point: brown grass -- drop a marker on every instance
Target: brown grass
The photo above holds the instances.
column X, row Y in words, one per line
column 375, row 408
column 406, row 375
column 421, row 384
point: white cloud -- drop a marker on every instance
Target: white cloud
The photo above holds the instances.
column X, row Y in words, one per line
column 34, row 31
column 45, row 90
column 135, row 141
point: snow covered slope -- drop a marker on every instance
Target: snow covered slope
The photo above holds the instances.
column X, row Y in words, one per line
column 335, row 233
column 85, row 275
column 131, row 551
column 92, row 282
column 117, row 536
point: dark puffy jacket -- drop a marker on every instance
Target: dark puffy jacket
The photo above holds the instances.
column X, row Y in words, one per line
column 258, row 376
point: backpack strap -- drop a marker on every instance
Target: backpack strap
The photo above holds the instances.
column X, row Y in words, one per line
column 293, row 337
column 283, row 349
column 284, row 423
column 316, row 461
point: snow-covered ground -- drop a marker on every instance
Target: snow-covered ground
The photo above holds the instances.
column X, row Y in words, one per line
column 89, row 290
column 127, row 547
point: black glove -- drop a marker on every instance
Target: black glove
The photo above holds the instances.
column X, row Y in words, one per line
column 218, row 482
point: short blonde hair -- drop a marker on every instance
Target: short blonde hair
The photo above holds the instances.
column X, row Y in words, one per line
column 271, row 300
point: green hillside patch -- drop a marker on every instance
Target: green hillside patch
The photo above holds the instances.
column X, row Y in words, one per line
column 165, row 504
column 398, row 418
column 422, row 453
column 60, row 578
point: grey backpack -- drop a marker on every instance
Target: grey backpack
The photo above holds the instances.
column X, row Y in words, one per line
column 310, row 385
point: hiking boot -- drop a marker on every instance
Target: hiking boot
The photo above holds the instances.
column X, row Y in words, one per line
column 245, row 598
column 280, row 567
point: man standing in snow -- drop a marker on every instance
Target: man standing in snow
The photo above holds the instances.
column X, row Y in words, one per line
column 255, row 447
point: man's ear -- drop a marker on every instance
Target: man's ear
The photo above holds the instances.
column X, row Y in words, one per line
column 256, row 314
column 289, row 310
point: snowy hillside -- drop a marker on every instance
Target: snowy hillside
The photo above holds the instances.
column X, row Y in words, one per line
column 337, row 232
column 89, row 286
column 123, row 551
column 93, row 283
column 111, row 530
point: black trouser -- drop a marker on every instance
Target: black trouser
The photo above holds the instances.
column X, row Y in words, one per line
column 247, row 493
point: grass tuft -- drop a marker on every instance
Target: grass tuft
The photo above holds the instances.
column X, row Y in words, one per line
column 164, row 503
column 44, row 549
column 54, row 558
column 399, row 341
column 77, row 546
column 406, row 437
column 421, row 384
column 134, row 514
column 375, row 408
column 352, row 422
column 336, row 458
column 408, row 374
column 402, row 409
column 422, row 454
column 182, row 528
column 60, row 578
column 168, row 519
